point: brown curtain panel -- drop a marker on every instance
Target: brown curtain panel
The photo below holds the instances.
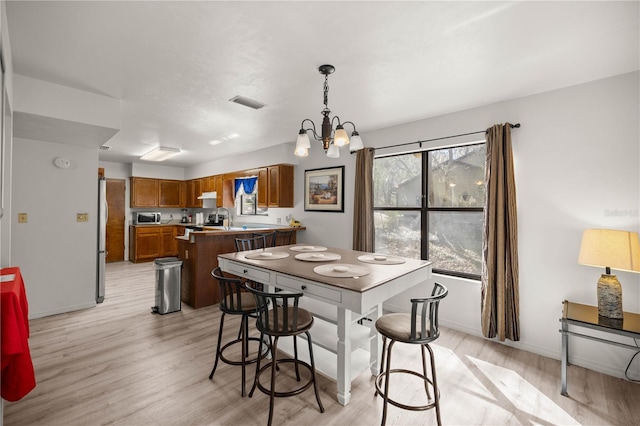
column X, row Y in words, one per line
column 500, row 307
column 363, row 230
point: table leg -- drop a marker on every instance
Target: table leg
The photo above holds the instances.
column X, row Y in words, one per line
column 344, row 356
column 565, row 356
column 376, row 340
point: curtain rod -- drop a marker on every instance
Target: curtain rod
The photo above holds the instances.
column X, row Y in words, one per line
column 517, row 125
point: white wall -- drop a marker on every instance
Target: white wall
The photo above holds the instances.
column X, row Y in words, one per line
column 56, row 254
column 577, row 159
column 280, row 154
column 5, row 179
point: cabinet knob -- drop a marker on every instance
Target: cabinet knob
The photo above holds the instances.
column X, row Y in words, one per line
column 304, row 287
column 244, row 271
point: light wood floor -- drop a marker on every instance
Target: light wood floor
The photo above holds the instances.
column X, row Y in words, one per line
column 120, row 364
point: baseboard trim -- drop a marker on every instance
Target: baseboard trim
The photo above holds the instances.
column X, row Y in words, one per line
column 61, row 310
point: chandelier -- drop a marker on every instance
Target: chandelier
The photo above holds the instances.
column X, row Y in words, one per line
column 331, row 139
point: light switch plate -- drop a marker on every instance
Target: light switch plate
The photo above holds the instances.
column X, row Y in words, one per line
column 22, row 218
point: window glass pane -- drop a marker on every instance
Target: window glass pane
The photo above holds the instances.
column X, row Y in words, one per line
column 397, row 181
column 455, row 241
column 398, row 233
column 456, row 176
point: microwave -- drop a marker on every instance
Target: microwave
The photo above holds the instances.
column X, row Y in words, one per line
column 147, row 218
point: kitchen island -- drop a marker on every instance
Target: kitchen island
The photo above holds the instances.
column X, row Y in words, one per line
column 199, row 254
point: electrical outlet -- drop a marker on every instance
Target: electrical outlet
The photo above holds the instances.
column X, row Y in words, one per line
column 22, row 218
column 82, row 217
column 279, row 220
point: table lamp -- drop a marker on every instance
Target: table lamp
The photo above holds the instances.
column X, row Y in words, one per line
column 610, row 249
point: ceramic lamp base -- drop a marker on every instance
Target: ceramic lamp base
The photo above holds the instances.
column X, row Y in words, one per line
column 609, row 297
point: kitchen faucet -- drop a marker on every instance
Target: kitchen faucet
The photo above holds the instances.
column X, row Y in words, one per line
column 228, row 216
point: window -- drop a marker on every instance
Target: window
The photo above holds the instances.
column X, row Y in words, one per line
column 429, row 205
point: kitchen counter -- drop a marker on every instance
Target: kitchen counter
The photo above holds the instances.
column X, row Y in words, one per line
column 199, row 254
column 210, row 231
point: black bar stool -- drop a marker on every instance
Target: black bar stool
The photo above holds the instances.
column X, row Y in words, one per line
column 236, row 301
column 284, row 318
column 269, row 238
column 257, row 241
column 419, row 328
column 283, row 238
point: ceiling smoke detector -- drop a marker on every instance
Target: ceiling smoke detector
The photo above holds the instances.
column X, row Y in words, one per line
column 247, row 102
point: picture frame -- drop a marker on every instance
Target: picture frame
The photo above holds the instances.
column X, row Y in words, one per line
column 324, row 189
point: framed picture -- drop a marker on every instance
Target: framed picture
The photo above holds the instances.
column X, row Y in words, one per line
column 324, row 189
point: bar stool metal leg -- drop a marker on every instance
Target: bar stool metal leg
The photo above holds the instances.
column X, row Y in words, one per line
column 215, row 364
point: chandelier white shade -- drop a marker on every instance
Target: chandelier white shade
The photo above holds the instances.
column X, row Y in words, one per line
column 331, row 139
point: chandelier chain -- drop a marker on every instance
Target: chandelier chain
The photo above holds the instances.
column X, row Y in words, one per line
column 326, row 91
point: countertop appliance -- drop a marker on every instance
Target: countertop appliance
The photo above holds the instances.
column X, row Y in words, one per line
column 103, row 214
column 211, row 220
column 147, row 218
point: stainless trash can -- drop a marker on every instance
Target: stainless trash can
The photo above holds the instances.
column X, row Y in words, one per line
column 168, row 271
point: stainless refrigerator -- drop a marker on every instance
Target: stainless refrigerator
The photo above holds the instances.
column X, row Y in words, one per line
column 103, row 212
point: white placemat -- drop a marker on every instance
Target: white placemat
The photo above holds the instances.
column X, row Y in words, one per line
column 267, row 255
column 381, row 259
column 308, row 248
column 318, row 257
column 341, row 270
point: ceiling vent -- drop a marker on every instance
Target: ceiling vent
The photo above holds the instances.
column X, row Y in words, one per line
column 247, row 102
column 104, row 148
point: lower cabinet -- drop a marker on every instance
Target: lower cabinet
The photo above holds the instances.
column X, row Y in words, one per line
column 151, row 242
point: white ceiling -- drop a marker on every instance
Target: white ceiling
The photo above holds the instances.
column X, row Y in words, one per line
column 175, row 64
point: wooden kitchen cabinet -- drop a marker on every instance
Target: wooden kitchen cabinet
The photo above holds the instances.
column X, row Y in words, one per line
column 170, row 193
column 263, row 187
column 144, row 192
column 147, row 243
column 169, row 244
column 149, row 192
column 194, row 190
column 280, row 185
column 215, row 184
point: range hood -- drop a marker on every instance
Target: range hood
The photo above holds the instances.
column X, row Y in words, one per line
column 208, row 196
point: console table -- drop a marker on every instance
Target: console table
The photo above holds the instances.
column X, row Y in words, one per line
column 586, row 316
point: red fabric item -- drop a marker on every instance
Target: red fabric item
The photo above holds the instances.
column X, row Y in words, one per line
column 18, row 377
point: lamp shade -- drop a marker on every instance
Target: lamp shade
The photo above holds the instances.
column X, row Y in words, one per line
column 302, row 144
column 340, row 137
column 333, row 151
column 356, row 142
column 610, row 248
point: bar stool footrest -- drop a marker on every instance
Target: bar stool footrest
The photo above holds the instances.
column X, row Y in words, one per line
column 306, row 385
column 380, row 390
column 251, row 360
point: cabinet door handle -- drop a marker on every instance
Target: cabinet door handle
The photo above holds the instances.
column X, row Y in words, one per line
column 304, row 287
column 244, row 271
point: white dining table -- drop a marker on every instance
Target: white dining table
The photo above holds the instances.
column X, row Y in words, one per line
column 357, row 299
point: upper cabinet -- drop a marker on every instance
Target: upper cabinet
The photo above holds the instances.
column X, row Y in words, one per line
column 275, row 189
column 194, row 190
column 171, row 193
column 144, row 192
column 148, row 192
column 280, row 185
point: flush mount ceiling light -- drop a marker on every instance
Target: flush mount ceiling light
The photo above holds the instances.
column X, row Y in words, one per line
column 331, row 139
column 251, row 103
column 160, row 153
